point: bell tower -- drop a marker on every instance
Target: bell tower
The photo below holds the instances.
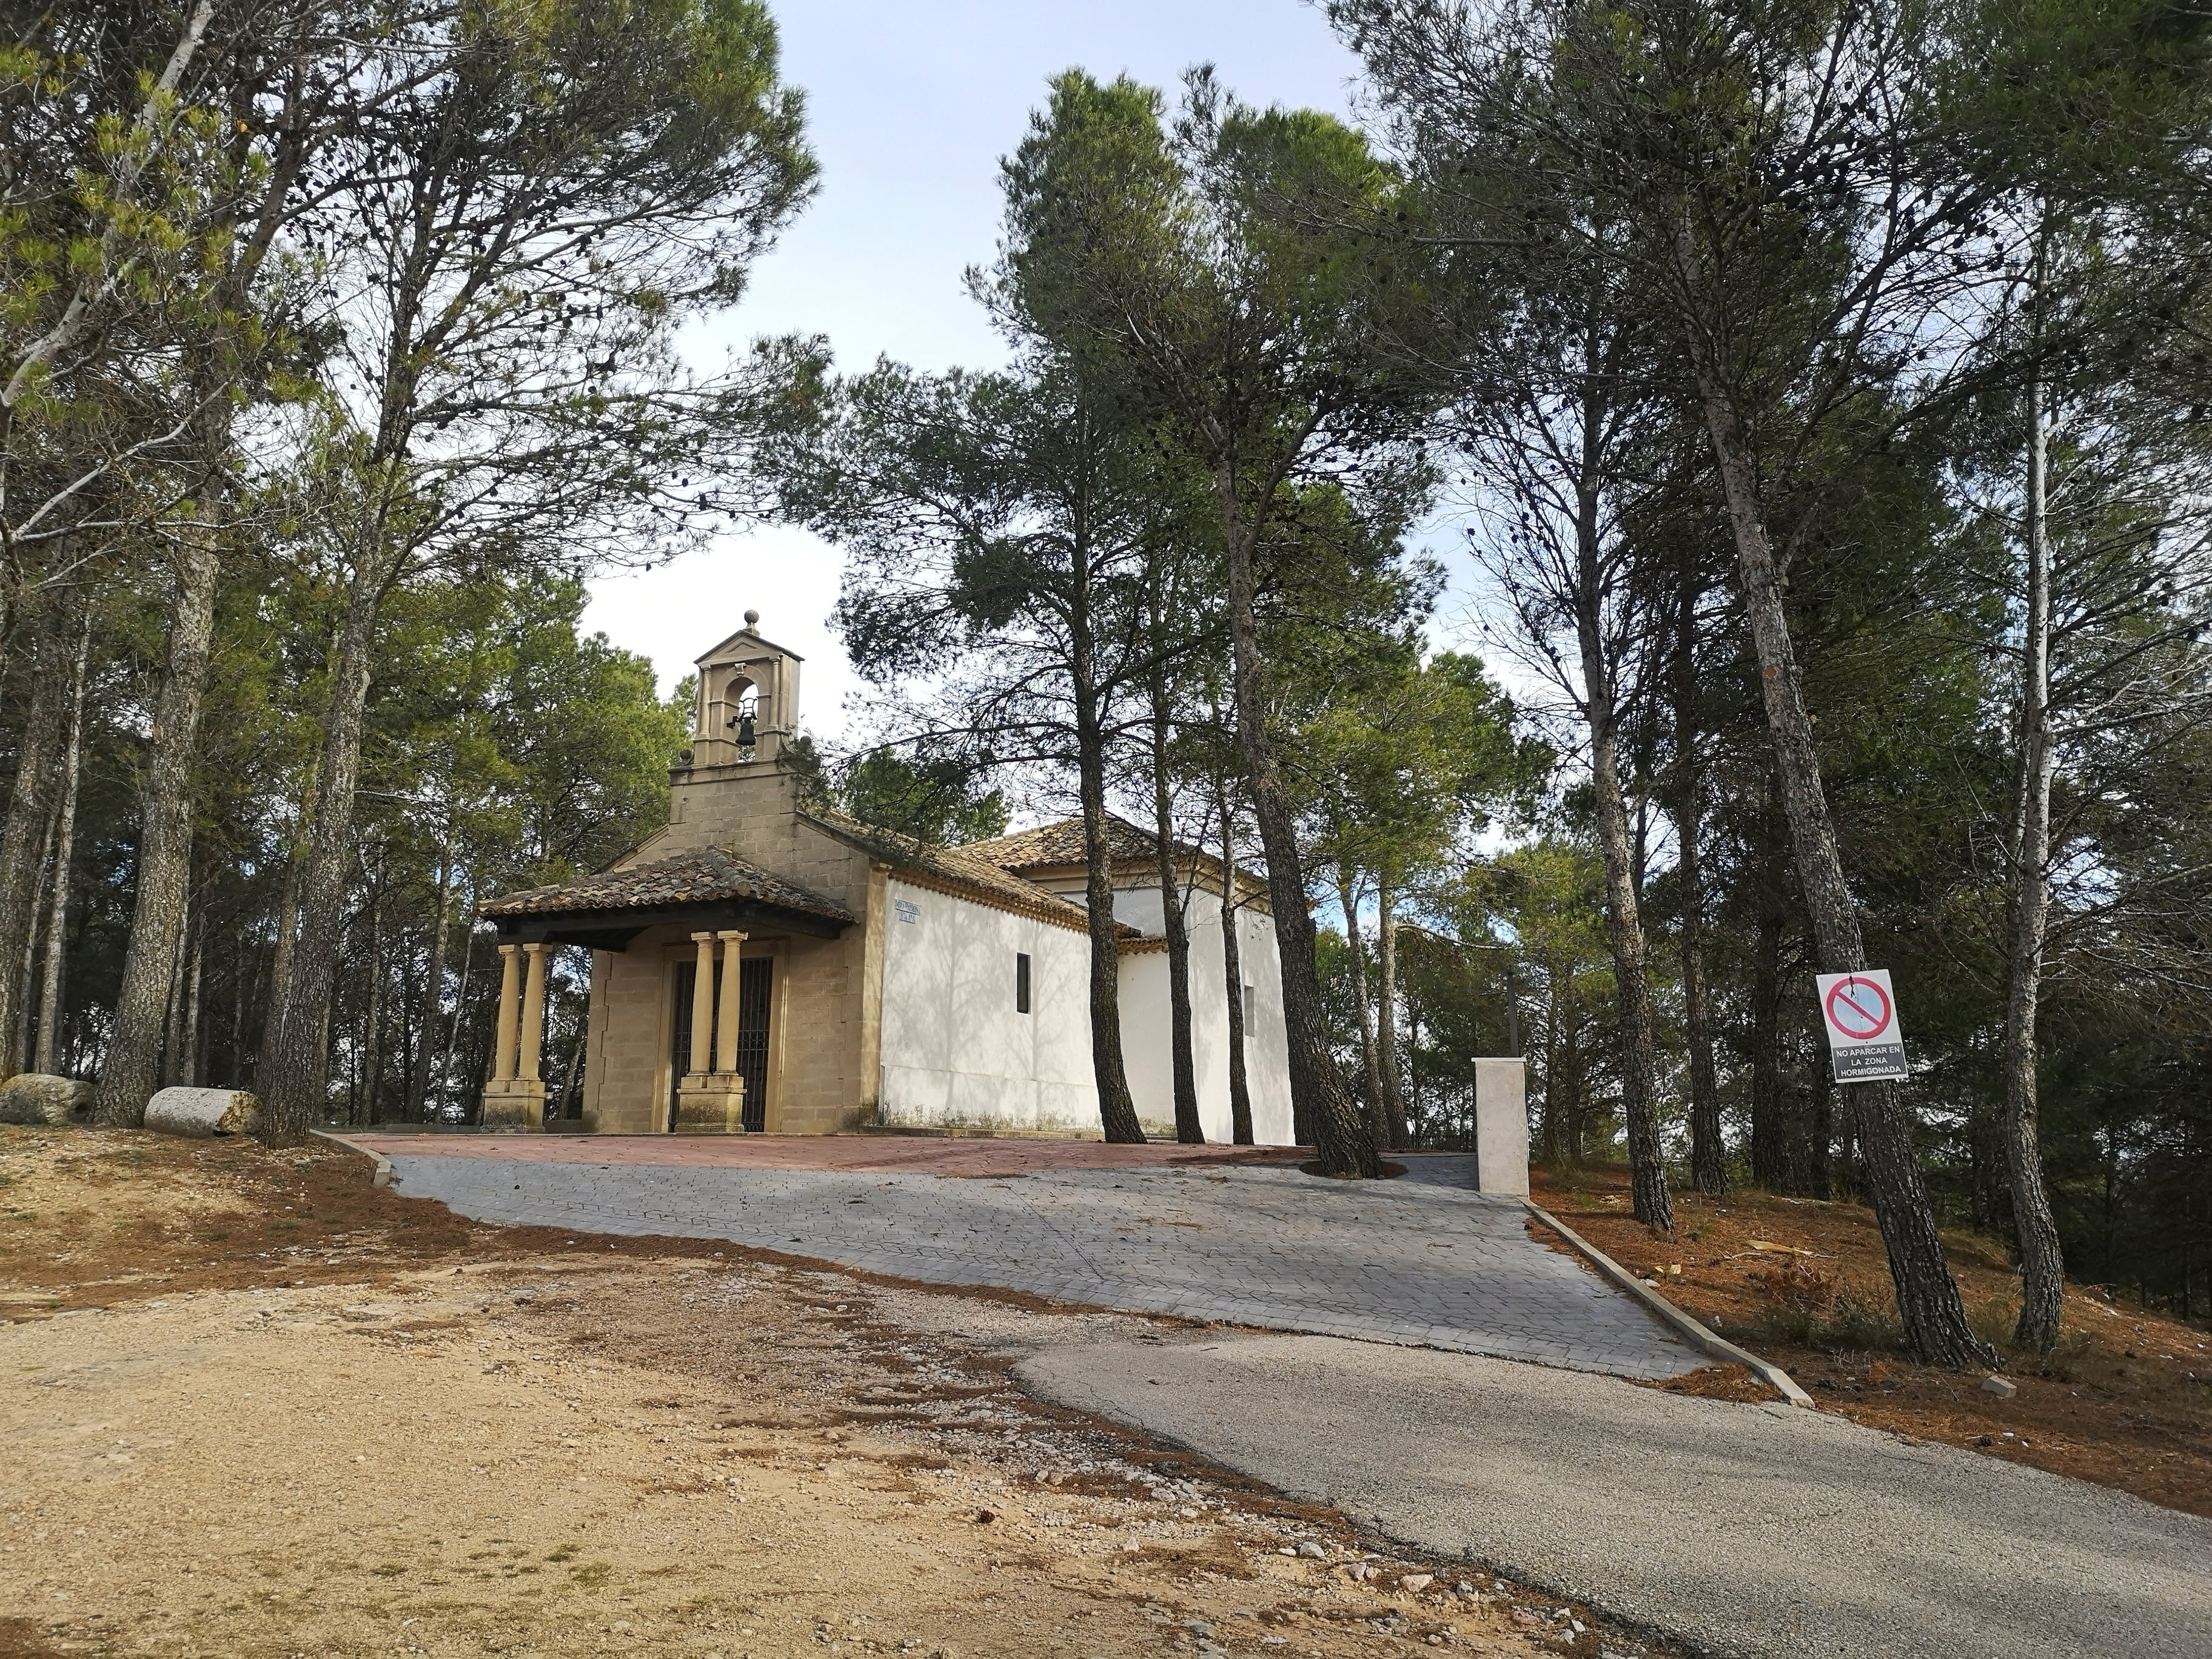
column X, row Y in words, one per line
column 747, row 707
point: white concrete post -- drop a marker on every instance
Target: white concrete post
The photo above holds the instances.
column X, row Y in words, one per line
column 502, row 1062
column 702, row 1005
column 1501, row 1126
column 725, row 1022
column 532, row 1028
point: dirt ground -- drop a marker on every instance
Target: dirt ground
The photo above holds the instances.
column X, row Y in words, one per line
column 256, row 1406
column 2125, row 1399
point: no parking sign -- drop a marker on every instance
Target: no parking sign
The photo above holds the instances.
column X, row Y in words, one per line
column 1858, row 1011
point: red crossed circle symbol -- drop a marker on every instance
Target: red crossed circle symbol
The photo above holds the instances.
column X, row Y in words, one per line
column 1857, row 1008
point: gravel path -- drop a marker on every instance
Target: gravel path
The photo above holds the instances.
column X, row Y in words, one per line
column 1418, row 1261
column 1765, row 1531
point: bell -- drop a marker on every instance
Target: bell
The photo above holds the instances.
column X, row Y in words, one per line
column 745, row 735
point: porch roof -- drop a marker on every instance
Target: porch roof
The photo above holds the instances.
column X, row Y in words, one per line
column 706, row 886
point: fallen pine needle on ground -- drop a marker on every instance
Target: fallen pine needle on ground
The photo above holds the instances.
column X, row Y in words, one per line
column 2125, row 1400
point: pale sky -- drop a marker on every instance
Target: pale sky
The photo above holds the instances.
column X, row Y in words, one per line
column 909, row 107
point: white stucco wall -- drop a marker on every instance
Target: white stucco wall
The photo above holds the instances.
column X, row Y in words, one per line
column 955, row 1048
column 1147, row 1047
column 1146, row 1031
column 955, row 1052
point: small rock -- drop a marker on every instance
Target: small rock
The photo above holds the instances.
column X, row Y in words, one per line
column 2003, row 1387
column 1286, row 1550
column 1312, row 1550
column 1415, row 1583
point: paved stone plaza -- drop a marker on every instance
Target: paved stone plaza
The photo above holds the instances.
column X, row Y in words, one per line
column 1420, row 1259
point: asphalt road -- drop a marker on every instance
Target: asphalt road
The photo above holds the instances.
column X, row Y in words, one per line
column 1420, row 1260
column 1752, row 1530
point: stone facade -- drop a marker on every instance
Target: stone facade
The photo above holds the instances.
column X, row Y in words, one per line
column 866, row 1016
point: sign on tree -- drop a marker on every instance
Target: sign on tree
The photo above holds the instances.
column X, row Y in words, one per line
column 1859, row 1012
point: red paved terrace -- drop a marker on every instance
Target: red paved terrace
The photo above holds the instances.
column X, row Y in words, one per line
column 924, row 1155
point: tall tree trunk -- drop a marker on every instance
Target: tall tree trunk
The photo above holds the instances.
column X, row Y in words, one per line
column 1639, row 1068
column 1769, row 1158
column 1370, row 1066
column 243, row 985
column 29, row 822
column 1386, row 1015
column 569, row 1073
column 200, row 1026
column 1512, row 1012
column 1819, row 1127
column 1190, row 1130
column 1708, row 1153
column 165, row 802
column 1843, row 1178
column 287, row 935
column 1117, row 1112
column 188, row 1046
column 1552, row 1128
column 296, row 1075
column 1232, row 970
column 454, row 1030
column 172, row 1034
column 372, row 1047
column 433, row 994
column 2043, row 1268
column 50, row 995
column 165, row 838
column 1574, row 1093
column 24, row 1009
column 1935, row 1320
column 1345, row 1146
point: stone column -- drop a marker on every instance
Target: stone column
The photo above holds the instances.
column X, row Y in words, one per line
column 702, row 1005
column 504, row 1033
column 532, row 1032
column 725, row 1022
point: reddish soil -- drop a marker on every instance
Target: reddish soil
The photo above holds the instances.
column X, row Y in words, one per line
column 2125, row 1398
column 995, row 1157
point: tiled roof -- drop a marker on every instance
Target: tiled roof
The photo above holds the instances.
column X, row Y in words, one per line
column 707, row 876
column 958, row 869
column 1061, row 844
column 1058, row 846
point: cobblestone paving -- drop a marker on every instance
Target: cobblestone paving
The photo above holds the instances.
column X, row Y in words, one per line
column 1418, row 1261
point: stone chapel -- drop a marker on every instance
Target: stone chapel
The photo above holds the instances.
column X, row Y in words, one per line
column 762, row 966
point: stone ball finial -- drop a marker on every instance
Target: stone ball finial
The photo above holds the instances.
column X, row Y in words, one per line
column 751, row 618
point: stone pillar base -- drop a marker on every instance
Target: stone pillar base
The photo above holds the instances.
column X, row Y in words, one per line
column 710, row 1104
column 516, row 1104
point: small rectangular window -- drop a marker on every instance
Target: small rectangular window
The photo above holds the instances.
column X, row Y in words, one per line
column 1021, row 982
column 1248, row 1007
